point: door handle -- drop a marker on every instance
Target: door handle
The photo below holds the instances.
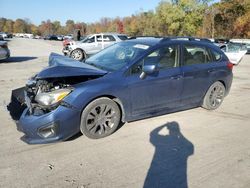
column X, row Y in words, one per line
column 176, row 77
column 211, row 70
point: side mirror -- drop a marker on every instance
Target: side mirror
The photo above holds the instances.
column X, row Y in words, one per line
column 147, row 70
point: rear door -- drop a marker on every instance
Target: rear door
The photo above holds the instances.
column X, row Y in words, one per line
column 108, row 40
column 197, row 65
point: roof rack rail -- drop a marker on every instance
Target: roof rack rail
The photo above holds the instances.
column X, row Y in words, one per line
column 186, row 38
column 138, row 37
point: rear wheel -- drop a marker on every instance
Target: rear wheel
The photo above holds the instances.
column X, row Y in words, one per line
column 214, row 96
column 77, row 54
column 100, row 118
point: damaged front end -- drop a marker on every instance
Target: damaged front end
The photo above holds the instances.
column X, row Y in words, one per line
column 39, row 108
column 40, row 112
column 42, row 96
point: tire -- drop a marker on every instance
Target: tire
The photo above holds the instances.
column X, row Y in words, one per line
column 100, row 118
column 214, row 96
column 77, row 54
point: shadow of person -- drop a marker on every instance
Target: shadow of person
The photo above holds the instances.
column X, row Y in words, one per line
column 168, row 168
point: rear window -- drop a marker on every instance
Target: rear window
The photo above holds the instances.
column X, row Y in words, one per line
column 216, row 55
column 108, row 38
column 193, row 54
column 122, row 37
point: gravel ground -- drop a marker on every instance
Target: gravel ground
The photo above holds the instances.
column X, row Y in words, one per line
column 210, row 148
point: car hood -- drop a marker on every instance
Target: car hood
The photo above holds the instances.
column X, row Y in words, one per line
column 61, row 66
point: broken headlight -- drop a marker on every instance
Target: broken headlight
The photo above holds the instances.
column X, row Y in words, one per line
column 51, row 98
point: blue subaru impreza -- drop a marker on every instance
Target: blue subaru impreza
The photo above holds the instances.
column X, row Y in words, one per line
column 127, row 81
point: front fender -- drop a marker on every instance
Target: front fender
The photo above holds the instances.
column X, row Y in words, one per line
column 83, row 94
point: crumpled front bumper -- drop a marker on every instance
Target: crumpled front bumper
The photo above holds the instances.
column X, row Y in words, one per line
column 65, row 122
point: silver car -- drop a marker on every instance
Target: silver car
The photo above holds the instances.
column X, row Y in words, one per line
column 234, row 51
column 4, row 50
column 91, row 45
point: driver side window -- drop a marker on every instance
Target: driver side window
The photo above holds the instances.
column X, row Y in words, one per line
column 90, row 40
column 165, row 57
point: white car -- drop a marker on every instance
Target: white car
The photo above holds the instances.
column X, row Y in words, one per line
column 234, row 51
column 70, row 36
column 28, row 35
column 92, row 44
column 4, row 35
column 60, row 37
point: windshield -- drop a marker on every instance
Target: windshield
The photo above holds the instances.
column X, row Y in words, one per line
column 122, row 37
column 88, row 39
column 116, row 56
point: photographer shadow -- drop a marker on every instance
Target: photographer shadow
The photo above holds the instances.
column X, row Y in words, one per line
column 168, row 168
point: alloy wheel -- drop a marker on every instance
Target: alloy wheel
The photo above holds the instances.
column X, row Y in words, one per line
column 101, row 119
column 77, row 55
column 216, row 96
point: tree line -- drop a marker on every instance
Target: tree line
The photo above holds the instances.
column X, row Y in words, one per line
column 201, row 18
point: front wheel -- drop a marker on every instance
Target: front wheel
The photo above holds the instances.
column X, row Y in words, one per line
column 100, row 118
column 214, row 96
column 77, row 54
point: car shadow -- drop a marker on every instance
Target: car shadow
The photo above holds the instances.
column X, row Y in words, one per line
column 79, row 134
column 75, row 136
column 17, row 59
column 169, row 164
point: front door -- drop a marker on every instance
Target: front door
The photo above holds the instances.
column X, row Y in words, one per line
column 158, row 91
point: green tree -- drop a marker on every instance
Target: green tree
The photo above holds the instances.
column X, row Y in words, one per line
column 19, row 26
column 8, row 27
column 70, row 26
column 56, row 25
column 228, row 12
column 183, row 17
column 242, row 26
column 2, row 23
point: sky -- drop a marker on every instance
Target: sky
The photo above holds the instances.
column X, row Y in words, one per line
column 87, row 11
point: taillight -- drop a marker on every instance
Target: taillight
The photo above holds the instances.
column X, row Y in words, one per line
column 230, row 65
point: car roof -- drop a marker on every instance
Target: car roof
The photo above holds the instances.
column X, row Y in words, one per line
column 151, row 41
column 108, row 33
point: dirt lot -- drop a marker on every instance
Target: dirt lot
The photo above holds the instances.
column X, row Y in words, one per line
column 210, row 149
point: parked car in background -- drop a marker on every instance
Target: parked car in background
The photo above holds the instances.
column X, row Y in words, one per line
column 20, row 35
column 248, row 48
column 1, row 38
column 38, row 37
column 91, row 45
column 69, row 36
column 235, row 51
column 4, row 35
column 4, row 50
column 60, row 37
column 127, row 81
column 28, row 35
column 9, row 35
column 66, row 42
column 50, row 37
